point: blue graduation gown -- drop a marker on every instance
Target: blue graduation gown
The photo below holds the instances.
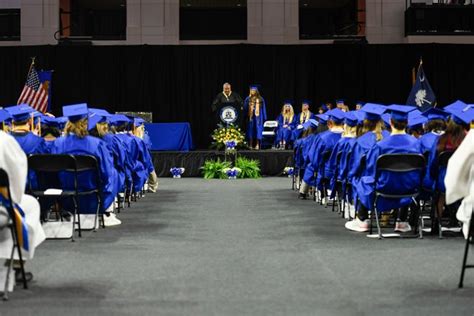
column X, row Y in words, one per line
column 117, row 149
column 296, row 133
column 89, row 145
column 147, row 140
column 31, row 143
column 427, row 141
column 285, row 133
column 325, row 142
column 145, row 158
column 362, row 145
column 389, row 182
column 345, row 146
column 255, row 123
column 138, row 173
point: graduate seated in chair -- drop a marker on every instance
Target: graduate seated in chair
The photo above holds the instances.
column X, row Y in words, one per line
column 77, row 141
column 140, row 132
column 449, row 141
column 50, row 130
column 323, row 143
column 286, row 125
column 13, row 160
column 302, row 118
column 336, row 171
column 137, row 173
column 399, row 142
column 22, row 120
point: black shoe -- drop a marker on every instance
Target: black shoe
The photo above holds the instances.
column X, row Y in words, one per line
column 19, row 277
column 303, row 196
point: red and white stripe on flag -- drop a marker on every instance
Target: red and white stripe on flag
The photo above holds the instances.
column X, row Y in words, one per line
column 34, row 93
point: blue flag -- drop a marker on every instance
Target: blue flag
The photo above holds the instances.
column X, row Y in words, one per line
column 46, row 77
column 421, row 95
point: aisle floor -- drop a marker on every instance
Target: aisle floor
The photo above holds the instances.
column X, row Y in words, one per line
column 243, row 247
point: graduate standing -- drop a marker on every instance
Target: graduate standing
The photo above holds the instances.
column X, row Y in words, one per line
column 254, row 107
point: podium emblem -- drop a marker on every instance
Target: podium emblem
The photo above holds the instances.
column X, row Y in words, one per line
column 228, row 115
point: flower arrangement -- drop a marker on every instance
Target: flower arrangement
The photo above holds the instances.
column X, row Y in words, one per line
column 232, row 173
column 230, row 146
column 231, row 133
column 177, row 172
column 290, row 171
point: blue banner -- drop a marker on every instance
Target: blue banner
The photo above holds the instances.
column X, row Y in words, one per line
column 421, row 95
column 46, row 77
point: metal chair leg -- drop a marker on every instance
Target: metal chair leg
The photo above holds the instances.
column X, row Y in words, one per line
column 379, row 230
column 466, row 251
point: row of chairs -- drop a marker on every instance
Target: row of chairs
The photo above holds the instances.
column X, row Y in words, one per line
column 47, row 168
column 397, row 163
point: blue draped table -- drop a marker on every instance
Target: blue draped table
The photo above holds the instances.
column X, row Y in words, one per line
column 170, row 136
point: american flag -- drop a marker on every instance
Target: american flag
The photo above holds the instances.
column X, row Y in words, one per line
column 35, row 93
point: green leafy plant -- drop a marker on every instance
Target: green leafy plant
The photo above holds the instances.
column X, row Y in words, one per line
column 249, row 168
column 214, row 169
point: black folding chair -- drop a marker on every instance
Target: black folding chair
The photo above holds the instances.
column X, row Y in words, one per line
column 398, row 163
column 89, row 163
column 47, row 168
column 7, row 203
column 466, row 251
column 443, row 159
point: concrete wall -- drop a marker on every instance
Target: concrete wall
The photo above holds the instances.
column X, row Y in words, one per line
column 156, row 22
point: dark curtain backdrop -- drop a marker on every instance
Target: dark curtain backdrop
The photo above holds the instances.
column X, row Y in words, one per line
column 178, row 83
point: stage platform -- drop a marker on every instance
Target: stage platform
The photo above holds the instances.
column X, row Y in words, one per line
column 272, row 162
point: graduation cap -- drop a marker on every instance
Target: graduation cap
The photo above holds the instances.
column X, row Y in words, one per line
column 400, row 112
column 417, row 121
column 351, row 119
column 254, row 87
column 386, row 119
column 414, row 113
column 288, row 101
column 323, row 118
column 310, row 123
column 465, row 116
column 324, row 106
column 336, row 115
column 138, row 121
column 4, row 116
column 360, row 102
column 340, row 101
column 306, row 101
column 373, row 111
column 50, row 121
column 100, row 112
column 457, row 105
column 436, row 114
column 75, row 112
column 20, row 112
column 119, row 119
column 62, row 120
column 360, row 116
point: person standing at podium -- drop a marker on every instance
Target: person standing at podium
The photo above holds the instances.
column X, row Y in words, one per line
column 227, row 96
